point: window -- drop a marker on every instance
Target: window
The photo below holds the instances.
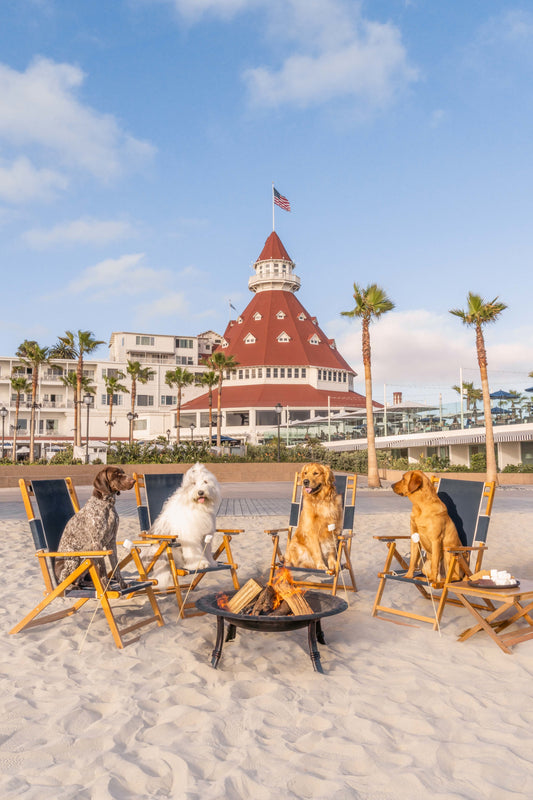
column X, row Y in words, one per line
column 335, row 376
column 314, row 339
column 344, row 377
column 257, row 316
column 183, row 344
column 140, row 424
column 319, row 374
column 259, row 373
column 301, row 317
column 246, row 373
column 296, row 372
column 281, row 315
column 253, row 373
column 284, row 337
column 144, row 400
column 275, row 375
column 241, row 374
column 304, row 372
column 48, row 426
column 168, row 400
column 282, row 372
column 289, row 372
column 145, row 341
column 117, row 399
column 329, row 375
column 268, row 372
column 249, row 339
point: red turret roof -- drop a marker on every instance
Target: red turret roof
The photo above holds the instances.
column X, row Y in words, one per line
column 269, row 316
column 274, row 249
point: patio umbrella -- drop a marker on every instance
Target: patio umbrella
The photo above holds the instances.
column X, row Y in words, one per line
column 529, row 390
column 501, row 395
column 499, row 410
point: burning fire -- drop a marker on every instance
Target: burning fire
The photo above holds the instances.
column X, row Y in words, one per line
column 283, row 585
column 222, row 600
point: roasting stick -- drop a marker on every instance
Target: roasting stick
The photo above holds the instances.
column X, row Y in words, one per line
column 416, row 539
column 127, row 545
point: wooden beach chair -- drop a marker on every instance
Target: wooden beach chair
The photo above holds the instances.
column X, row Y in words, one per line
column 156, row 488
column 56, row 502
column 318, row 578
column 469, row 504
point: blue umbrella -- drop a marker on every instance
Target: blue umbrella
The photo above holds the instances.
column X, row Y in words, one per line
column 529, row 390
column 498, row 410
column 501, row 395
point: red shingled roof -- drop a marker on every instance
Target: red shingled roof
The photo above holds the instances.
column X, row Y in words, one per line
column 266, row 395
column 297, row 323
column 274, row 249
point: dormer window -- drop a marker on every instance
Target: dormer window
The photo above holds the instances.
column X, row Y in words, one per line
column 249, row 339
column 314, row 339
column 257, row 316
column 225, row 343
column 240, row 320
column 284, row 337
column 301, row 317
column 281, row 315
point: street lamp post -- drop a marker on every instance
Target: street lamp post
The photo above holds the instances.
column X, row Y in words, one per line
column 279, row 409
column 88, row 400
column 192, row 427
column 168, row 435
column 4, row 412
column 131, row 416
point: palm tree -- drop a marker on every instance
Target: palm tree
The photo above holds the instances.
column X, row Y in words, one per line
column 112, row 387
column 21, row 386
column 209, row 379
column 70, row 380
column 75, row 346
column 220, row 363
column 138, row 374
column 33, row 355
column 180, row 378
column 477, row 314
column 370, row 303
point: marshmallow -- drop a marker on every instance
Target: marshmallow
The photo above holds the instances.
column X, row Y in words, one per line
column 127, row 544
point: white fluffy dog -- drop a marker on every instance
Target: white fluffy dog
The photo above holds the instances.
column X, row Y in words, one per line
column 190, row 514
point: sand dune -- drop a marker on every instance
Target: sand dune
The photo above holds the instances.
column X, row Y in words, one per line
column 401, row 713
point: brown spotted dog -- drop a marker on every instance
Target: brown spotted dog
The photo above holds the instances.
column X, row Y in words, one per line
column 95, row 526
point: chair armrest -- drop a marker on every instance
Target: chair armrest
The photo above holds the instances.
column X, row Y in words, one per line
column 273, row 531
column 233, row 531
column 462, row 549
column 153, row 537
column 390, row 538
column 73, row 554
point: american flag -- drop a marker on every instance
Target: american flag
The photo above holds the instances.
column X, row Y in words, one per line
column 281, row 201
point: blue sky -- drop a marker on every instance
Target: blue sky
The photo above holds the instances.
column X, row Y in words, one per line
column 139, row 140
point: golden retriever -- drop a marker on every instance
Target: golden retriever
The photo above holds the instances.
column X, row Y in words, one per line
column 429, row 518
column 314, row 542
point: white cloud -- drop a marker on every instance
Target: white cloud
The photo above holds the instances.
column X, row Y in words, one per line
column 39, row 108
column 80, row 231
column 194, row 9
column 21, row 182
column 124, row 276
column 371, row 67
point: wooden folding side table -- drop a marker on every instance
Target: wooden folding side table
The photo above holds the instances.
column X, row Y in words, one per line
column 518, row 599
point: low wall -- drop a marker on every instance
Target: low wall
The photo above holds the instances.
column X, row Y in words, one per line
column 504, row 478
column 83, row 475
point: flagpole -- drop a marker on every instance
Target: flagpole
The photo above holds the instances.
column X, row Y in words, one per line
column 273, row 206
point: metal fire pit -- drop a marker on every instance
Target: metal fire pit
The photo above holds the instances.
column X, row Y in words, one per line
column 323, row 605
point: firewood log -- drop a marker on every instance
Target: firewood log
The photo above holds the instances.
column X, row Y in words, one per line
column 244, row 596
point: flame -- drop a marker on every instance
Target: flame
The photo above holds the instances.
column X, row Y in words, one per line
column 284, row 586
column 222, row 600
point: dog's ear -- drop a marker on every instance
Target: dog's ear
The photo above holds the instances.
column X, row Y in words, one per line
column 101, row 484
column 415, row 481
column 330, row 479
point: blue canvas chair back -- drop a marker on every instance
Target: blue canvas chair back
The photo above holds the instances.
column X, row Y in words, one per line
column 55, row 509
column 341, row 482
column 158, row 488
column 464, row 502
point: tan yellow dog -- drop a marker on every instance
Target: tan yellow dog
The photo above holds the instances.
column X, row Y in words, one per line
column 314, row 542
column 430, row 519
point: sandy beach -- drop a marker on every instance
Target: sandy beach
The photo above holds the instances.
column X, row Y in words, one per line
column 401, row 713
